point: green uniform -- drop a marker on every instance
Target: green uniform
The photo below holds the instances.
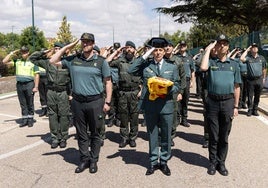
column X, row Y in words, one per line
column 189, row 68
column 57, row 96
column 182, row 83
column 158, row 113
column 128, row 100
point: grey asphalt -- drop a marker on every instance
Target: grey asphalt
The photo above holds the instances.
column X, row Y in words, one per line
column 26, row 159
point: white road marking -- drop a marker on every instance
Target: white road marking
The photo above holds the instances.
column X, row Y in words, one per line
column 263, row 119
column 27, row 147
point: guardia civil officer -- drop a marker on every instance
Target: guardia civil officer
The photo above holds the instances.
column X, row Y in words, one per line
column 88, row 73
column 222, row 102
column 129, row 91
column 170, row 57
column 190, row 77
column 159, row 112
column 256, row 75
column 27, row 77
column 57, row 96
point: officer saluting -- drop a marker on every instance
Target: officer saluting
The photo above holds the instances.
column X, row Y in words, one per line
column 88, row 73
column 27, row 77
column 222, row 102
column 158, row 109
column 256, row 75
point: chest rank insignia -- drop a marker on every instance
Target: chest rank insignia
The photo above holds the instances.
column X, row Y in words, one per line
column 231, row 68
column 95, row 64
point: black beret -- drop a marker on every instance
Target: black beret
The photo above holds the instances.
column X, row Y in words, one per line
column 96, row 48
column 130, row 43
column 158, row 42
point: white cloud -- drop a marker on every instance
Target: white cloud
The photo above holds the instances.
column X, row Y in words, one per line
column 118, row 20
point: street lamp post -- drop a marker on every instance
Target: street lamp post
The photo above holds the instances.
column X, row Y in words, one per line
column 159, row 25
column 33, row 28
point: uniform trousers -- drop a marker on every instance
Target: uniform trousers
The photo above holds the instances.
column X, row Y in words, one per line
column 42, row 88
column 129, row 112
column 26, row 98
column 58, row 112
column 159, row 124
column 254, row 90
column 89, row 118
column 219, row 119
column 183, row 104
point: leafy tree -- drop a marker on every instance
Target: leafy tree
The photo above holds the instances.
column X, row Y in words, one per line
column 250, row 13
column 64, row 34
column 202, row 33
column 9, row 41
column 27, row 37
column 175, row 37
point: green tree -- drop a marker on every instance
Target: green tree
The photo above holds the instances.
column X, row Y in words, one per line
column 202, row 33
column 9, row 41
column 250, row 13
column 175, row 37
column 64, row 34
column 27, row 36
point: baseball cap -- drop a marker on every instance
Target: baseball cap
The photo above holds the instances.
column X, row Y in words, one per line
column 222, row 37
column 58, row 44
column 254, row 44
column 87, row 36
column 158, row 42
column 24, row 49
column 183, row 42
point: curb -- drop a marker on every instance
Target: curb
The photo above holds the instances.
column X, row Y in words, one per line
column 8, row 95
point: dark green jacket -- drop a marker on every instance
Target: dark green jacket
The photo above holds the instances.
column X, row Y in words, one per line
column 56, row 76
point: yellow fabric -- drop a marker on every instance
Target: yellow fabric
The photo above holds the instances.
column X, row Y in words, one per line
column 158, row 87
column 24, row 68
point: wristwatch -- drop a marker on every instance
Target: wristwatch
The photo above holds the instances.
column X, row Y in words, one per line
column 108, row 103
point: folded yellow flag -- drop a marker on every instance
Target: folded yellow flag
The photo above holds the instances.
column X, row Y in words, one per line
column 158, row 87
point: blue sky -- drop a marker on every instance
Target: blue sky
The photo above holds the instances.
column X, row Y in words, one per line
column 124, row 19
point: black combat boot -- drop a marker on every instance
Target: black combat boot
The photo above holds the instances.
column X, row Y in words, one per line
column 30, row 122
column 44, row 112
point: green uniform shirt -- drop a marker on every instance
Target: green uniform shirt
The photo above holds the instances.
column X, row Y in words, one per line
column 87, row 74
column 255, row 65
column 56, row 76
column 126, row 80
column 222, row 76
column 188, row 63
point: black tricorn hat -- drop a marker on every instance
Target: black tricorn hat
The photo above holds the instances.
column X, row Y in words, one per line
column 158, row 42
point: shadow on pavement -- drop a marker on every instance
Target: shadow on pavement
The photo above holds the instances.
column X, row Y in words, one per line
column 70, row 155
column 132, row 156
column 44, row 137
column 191, row 158
column 190, row 137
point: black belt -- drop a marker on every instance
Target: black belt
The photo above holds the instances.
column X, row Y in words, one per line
column 129, row 88
column 89, row 98
column 254, row 78
column 18, row 82
column 220, row 97
column 57, row 88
